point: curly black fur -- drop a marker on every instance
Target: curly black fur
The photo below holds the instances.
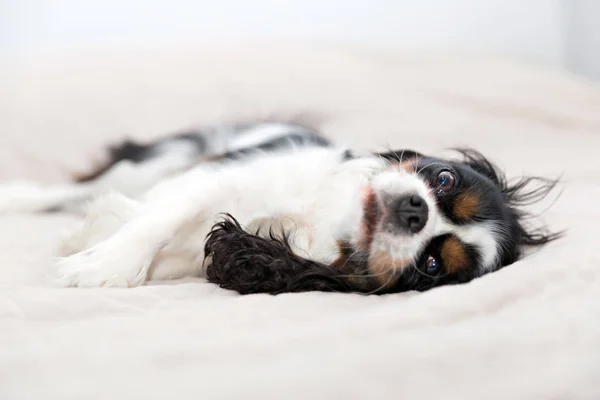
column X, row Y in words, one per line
column 248, row 263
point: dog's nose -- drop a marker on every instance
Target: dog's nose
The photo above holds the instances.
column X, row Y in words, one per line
column 411, row 213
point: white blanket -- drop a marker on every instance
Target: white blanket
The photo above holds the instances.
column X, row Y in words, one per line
column 530, row 331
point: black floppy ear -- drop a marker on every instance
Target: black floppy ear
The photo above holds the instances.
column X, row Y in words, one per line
column 400, row 155
column 518, row 193
column 248, row 263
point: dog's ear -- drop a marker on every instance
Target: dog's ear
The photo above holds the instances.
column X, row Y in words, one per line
column 518, row 194
column 248, row 263
column 400, row 155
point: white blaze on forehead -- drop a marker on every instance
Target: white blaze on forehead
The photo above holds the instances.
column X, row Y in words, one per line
column 398, row 183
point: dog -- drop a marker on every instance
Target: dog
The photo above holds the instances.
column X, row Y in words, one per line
column 274, row 207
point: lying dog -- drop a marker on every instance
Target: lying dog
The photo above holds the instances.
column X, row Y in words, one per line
column 274, row 207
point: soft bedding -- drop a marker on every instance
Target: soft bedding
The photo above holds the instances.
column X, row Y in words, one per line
column 529, row 331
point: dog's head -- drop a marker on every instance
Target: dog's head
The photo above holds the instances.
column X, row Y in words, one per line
column 430, row 221
column 425, row 222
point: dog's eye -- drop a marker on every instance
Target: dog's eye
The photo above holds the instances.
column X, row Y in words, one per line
column 432, row 265
column 445, row 181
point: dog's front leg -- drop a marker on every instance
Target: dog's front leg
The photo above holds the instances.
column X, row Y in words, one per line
column 123, row 259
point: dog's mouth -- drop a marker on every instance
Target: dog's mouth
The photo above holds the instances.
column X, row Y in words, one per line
column 385, row 267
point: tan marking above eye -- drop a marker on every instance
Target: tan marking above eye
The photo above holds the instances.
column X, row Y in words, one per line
column 454, row 255
column 407, row 166
column 466, row 205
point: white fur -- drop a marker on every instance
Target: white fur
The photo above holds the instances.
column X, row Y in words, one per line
column 176, row 215
column 27, row 196
column 258, row 134
column 128, row 178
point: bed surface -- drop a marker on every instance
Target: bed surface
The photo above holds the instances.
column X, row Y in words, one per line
column 530, row 331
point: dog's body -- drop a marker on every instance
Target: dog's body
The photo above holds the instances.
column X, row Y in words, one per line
column 304, row 215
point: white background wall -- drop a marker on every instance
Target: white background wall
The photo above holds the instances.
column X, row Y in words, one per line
column 582, row 33
column 555, row 32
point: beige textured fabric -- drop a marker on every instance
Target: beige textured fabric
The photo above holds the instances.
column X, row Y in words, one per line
column 530, row 331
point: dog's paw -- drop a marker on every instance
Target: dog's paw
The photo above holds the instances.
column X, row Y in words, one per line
column 102, row 266
column 103, row 218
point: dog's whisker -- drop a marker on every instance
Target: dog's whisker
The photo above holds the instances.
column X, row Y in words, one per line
column 429, row 165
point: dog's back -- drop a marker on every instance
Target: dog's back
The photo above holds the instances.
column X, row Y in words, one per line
column 133, row 167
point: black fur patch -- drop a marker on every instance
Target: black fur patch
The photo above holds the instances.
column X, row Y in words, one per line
column 249, row 263
column 516, row 194
column 138, row 152
column 347, row 155
column 304, row 139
